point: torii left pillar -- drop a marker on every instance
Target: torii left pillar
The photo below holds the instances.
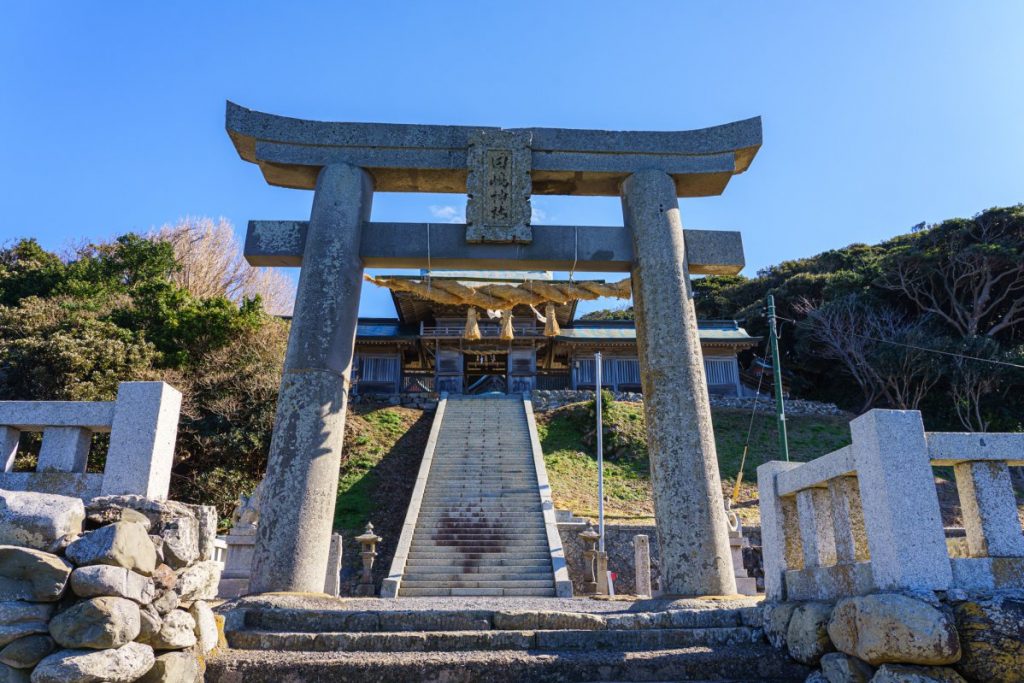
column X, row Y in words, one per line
column 300, row 489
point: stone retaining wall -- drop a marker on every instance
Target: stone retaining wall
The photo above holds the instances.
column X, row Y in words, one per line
column 113, row 590
column 890, row 637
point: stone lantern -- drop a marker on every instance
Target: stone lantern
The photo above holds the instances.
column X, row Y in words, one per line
column 368, row 540
column 590, row 538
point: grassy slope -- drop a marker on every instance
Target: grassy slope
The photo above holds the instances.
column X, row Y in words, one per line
column 572, row 467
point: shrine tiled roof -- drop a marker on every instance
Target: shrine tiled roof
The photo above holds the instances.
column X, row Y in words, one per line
column 722, row 331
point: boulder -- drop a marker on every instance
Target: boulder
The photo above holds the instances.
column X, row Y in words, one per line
column 150, row 623
column 807, row 635
column 840, row 668
column 166, row 601
column 38, row 520
column 173, row 667
column 97, row 623
column 206, row 626
column 816, row 677
column 901, row 673
column 992, row 638
column 893, row 628
column 122, row 665
column 10, row 674
column 27, row 574
column 19, row 619
column 177, row 631
column 164, row 577
column 180, row 541
column 776, row 621
column 121, row 544
column 103, row 579
column 24, row 653
column 198, row 582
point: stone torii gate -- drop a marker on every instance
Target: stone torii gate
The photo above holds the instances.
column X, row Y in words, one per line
column 345, row 163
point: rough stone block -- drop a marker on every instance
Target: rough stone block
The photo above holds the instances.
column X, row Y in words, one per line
column 173, row 667
column 122, row 544
column 840, row 668
column 19, row 619
column 177, row 631
column 991, row 634
column 122, row 665
column 27, row 574
column 807, row 636
column 10, row 674
column 97, row 623
column 105, row 580
column 893, row 628
column 198, row 582
column 38, row 520
column 142, row 435
column 776, row 621
column 901, row 673
column 206, row 626
column 24, row 653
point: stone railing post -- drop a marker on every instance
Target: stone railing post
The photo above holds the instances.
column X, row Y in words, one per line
column 851, row 542
column 989, row 509
column 642, row 562
column 9, row 438
column 142, row 438
column 293, row 537
column 900, row 503
column 817, row 535
column 684, row 466
column 781, row 547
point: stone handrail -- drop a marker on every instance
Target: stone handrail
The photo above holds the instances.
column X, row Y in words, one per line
column 142, row 422
column 866, row 517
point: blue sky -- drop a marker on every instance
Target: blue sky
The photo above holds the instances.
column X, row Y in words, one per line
column 877, row 115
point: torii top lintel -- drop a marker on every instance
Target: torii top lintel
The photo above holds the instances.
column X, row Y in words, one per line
column 429, row 158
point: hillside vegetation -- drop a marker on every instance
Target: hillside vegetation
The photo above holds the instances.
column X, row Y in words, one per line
column 567, row 437
column 861, row 325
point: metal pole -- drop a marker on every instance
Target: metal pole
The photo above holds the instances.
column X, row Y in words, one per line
column 780, row 406
column 600, row 451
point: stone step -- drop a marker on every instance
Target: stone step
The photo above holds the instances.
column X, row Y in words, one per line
column 476, row 546
column 408, row 584
column 475, row 592
column 462, row 641
column 456, row 532
column 465, row 556
column 481, row 572
column 480, row 563
column 724, row 664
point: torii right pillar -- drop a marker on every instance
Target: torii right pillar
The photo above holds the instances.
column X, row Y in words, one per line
column 693, row 539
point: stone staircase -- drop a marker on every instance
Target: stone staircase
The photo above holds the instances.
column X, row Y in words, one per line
column 480, row 528
column 470, row 639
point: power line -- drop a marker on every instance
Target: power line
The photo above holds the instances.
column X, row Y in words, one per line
column 961, row 356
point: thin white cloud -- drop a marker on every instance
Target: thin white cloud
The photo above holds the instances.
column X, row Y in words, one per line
column 449, row 214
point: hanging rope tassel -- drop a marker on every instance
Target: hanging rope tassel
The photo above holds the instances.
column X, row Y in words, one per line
column 472, row 326
column 551, row 328
column 506, row 326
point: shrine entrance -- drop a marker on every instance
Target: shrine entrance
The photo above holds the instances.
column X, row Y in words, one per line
column 498, row 170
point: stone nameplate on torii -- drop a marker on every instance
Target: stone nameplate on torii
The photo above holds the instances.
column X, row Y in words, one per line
column 498, row 170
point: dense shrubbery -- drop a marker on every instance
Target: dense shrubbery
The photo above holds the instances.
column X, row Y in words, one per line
column 72, row 328
column 955, row 287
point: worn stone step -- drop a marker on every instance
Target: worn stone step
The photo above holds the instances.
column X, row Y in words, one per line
column 471, row 548
column 723, row 664
column 476, row 592
column 462, row 641
column 478, row 582
column 442, row 571
column 482, row 562
column 458, row 532
column 475, row 556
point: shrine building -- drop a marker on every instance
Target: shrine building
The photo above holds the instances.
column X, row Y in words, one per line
column 426, row 348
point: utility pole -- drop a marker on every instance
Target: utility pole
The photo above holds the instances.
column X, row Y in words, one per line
column 780, row 406
column 600, row 451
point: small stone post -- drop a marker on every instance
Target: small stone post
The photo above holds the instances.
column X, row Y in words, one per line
column 589, row 537
column 642, row 560
column 292, row 543
column 332, row 582
column 368, row 540
column 693, row 535
column 9, row 438
column 142, row 440
column 603, row 582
